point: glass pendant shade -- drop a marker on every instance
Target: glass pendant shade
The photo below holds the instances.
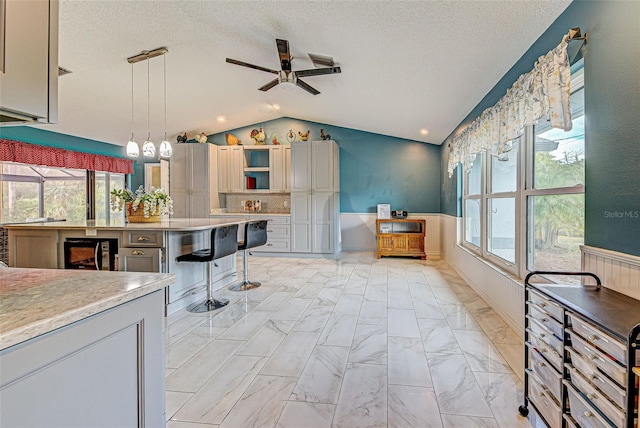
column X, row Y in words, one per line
column 148, row 148
column 165, row 149
column 133, row 151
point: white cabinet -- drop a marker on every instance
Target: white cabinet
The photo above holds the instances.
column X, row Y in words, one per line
column 254, row 169
column 105, row 370
column 230, row 169
column 28, row 61
column 314, row 197
column 190, row 178
column 33, row 248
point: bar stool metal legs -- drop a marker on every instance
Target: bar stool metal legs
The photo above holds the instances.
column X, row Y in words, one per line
column 210, row 304
column 245, row 284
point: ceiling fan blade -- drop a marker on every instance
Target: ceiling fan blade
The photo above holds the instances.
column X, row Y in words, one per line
column 269, row 85
column 317, row 71
column 321, row 60
column 284, row 53
column 306, row 87
column 246, row 64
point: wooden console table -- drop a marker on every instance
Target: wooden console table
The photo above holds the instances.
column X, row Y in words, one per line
column 400, row 237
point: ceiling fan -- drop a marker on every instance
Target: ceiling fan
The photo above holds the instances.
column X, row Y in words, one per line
column 286, row 75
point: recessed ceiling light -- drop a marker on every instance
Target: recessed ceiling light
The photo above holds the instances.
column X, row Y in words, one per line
column 423, row 132
column 222, row 119
column 276, row 106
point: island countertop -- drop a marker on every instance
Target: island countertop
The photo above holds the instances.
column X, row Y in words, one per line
column 172, row 224
column 36, row 301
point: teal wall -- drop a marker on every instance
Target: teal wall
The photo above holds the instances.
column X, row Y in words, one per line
column 612, row 105
column 63, row 141
column 374, row 168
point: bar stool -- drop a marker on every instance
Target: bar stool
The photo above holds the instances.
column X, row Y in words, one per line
column 255, row 235
column 224, row 242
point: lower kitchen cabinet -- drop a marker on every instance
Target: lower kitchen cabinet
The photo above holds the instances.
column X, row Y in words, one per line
column 33, row 248
column 105, row 370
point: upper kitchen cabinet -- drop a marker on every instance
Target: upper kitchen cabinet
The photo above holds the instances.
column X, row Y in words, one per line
column 191, row 177
column 315, row 166
column 254, row 169
column 28, row 61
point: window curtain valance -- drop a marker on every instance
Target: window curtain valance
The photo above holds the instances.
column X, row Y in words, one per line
column 16, row 151
column 543, row 92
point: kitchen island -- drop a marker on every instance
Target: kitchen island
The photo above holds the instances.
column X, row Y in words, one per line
column 81, row 348
column 140, row 247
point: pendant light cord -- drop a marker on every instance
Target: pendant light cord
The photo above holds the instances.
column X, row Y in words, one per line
column 164, row 72
column 132, row 123
column 148, row 104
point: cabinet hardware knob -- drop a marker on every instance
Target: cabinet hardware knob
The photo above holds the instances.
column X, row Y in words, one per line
column 592, row 337
column 543, row 335
column 588, row 414
column 143, row 238
column 544, row 319
column 542, row 304
column 137, row 253
column 269, row 231
column 592, row 357
column 591, row 396
column 592, row 377
column 269, row 245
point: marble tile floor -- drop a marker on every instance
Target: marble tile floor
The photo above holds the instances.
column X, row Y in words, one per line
column 346, row 342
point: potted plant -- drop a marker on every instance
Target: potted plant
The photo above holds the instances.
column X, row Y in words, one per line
column 143, row 205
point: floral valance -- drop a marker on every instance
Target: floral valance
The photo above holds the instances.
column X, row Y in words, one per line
column 33, row 154
column 543, row 92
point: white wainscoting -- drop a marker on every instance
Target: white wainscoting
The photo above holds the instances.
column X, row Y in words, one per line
column 359, row 232
column 504, row 293
column 617, row 271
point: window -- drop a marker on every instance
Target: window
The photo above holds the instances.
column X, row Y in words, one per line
column 30, row 191
column 524, row 211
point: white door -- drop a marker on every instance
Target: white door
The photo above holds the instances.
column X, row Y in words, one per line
column 322, row 221
column 301, row 222
column 224, row 160
column 236, row 169
column 301, row 166
column 322, row 166
column 276, row 169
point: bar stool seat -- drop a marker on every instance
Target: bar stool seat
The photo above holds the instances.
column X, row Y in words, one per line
column 255, row 235
column 224, row 242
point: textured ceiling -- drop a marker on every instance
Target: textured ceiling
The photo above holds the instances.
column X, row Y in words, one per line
column 406, row 66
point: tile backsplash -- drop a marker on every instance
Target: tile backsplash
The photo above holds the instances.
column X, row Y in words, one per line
column 275, row 203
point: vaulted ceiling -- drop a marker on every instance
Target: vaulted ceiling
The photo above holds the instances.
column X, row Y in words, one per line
column 406, row 66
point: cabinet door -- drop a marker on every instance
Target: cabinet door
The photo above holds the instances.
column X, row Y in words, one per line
column 276, row 169
column 301, row 166
column 139, row 259
column 24, row 78
column 287, row 169
column 224, row 164
column 322, row 166
column 322, row 221
column 198, row 204
column 179, row 175
column 33, row 249
column 199, row 168
column 301, row 222
column 236, row 170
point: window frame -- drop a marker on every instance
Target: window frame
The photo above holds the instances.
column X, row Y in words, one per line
column 523, row 194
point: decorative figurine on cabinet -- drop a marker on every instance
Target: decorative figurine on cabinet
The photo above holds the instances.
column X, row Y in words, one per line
column 324, row 136
column 232, row 140
column 275, row 141
column 182, row 138
column 202, row 138
column 258, row 136
column 291, row 137
column 303, row 137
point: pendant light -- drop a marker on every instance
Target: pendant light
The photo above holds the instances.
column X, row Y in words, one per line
column 133, row 151
column 165, row 146
column 148, row 148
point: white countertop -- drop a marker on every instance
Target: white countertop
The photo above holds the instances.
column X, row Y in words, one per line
column 173, row 224
column 36, row 301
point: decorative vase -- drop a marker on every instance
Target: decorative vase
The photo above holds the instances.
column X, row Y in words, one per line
column 137, row 216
